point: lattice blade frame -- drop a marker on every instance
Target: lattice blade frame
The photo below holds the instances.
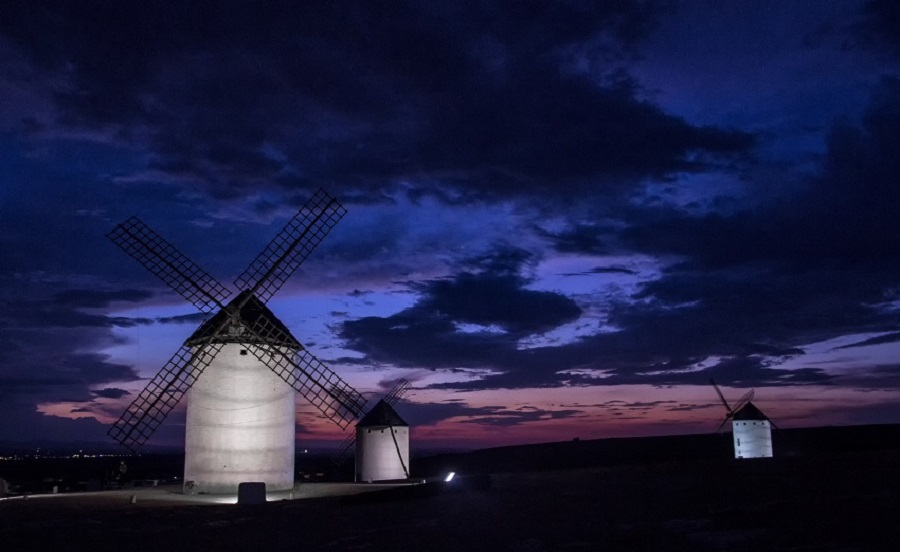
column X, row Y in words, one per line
column 721, row 396
column 148, row 411
column 396, row 393
column 748, row 396
column 167, row 263
column 344, row 451
column 722, row 425
column 317, row 383
column 293, row 244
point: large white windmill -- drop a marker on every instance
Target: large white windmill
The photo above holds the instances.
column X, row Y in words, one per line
column 241, row 413
column 751, row 429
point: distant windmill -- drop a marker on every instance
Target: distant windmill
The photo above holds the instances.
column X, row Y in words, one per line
column 241, row 416
column 752, row 430
column 382, row 441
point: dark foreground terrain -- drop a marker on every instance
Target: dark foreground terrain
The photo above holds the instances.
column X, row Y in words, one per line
column 836, row 501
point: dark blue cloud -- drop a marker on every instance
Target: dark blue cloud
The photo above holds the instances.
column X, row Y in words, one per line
column 502, row 301
column 424, row 414
column 582, row 238
column 493, row 295
column 791, row 272
column 655, row 344
column 604, row 270
column 501, row 417
column 195, row 318
column 882, row 20
column 231, row 99
column 110, row 393
column 879, row 340
column 845, row 217
column 95, row 299
column 31, row 425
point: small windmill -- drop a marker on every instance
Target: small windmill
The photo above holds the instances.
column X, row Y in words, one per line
column 751, row 429
column 241, row 417
column 382, row 440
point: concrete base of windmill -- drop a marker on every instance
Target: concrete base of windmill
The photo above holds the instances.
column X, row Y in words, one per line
column 252, row 492
column 189, row 488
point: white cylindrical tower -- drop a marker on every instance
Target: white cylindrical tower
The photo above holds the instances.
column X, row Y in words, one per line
column 382, row 445
column 240, row 415
column 752, row 433
column 240, row 426
column 752, row 439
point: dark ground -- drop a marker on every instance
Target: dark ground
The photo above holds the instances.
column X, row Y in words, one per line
column 835, row 500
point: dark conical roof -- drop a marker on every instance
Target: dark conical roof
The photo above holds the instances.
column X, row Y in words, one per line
column 749, row 412
column 249, row 315
column 382, row 414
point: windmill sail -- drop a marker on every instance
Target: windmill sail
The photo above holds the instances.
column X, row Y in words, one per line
column 167, row 263
column 293, row 244
column 397, row 391
column 149, row 409
column 266, row 338
column 743, row 401
column 729, row 411
column 317, row 383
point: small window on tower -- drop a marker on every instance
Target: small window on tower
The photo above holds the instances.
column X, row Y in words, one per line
column 243, row 352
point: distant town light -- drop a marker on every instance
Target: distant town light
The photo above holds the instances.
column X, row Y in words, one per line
column 449, row 477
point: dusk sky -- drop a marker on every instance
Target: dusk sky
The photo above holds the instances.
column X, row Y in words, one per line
column 563, row 217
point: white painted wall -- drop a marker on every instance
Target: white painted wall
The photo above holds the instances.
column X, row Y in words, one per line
column 376, row 453
column 752, row 438
column 240, row 426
